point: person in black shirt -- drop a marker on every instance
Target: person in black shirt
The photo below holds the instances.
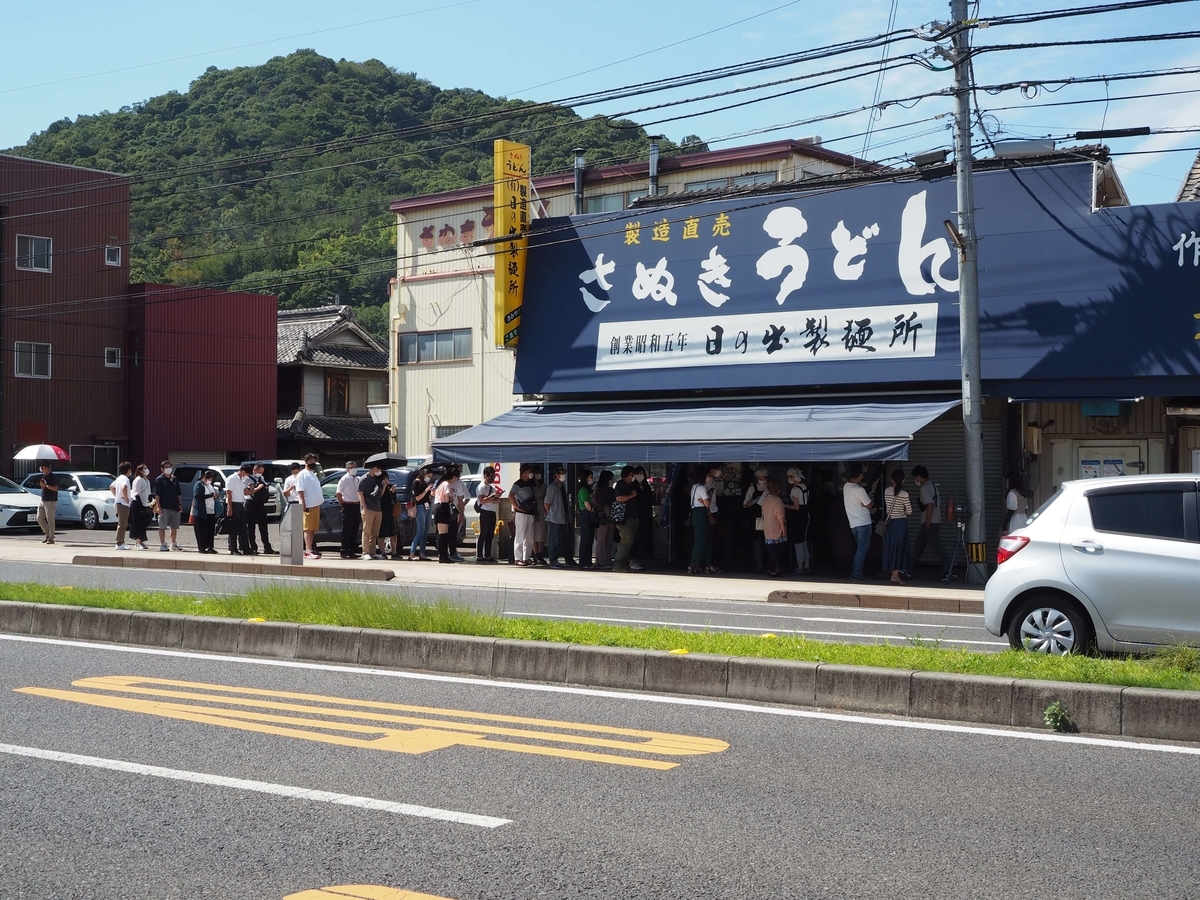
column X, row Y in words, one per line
column 49, row 505
column 256, row 510
column 169, row 498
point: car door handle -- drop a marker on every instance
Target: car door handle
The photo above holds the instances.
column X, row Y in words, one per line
column 1089, row 547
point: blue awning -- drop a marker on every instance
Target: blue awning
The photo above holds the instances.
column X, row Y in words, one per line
column 776, row 431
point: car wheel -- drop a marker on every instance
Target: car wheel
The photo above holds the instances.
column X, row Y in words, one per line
column 90, row 518
column 1051, row 624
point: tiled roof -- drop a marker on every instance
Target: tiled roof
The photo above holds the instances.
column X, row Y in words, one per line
column 303, row 337
column 1190, row 189
column 331, row 428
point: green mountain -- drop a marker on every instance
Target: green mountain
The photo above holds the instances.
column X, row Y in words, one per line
column 277, row 177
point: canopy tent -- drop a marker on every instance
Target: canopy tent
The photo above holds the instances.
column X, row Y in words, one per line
column 761, row 431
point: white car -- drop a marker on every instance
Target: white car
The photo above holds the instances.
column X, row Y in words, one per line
column 18, row 508
column 82, row 497
column 1107, row 562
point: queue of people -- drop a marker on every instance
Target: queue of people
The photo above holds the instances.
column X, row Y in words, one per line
column 606, row 519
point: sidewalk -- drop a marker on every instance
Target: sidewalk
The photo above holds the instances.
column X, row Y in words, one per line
column 649, row 584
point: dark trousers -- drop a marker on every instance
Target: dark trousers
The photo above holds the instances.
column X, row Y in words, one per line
column 138, row 517
column 239, row 538
column 445, row 544
column 587, row 534
column 487, row 531
column 559, row 539
column 256, row 517
column 351, row 521
column 701, row 548
column 205, row 528
column 929, row 536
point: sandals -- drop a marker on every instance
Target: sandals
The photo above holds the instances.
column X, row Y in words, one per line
column 693, row 571
column 713, row 570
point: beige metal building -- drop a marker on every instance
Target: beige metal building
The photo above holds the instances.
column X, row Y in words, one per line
column 445, row 372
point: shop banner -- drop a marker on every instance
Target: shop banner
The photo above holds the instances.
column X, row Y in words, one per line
column 858, row 286
column 511, row 189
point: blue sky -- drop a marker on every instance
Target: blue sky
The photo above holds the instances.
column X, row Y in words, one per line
column 63, row 65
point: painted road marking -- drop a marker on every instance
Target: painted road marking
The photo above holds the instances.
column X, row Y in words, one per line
column 730, row 705
column 361, row 892
column 261, row 787
column 373, row 724
column 803, row 631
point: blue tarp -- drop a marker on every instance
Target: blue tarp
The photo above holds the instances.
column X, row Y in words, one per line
column 752, row 432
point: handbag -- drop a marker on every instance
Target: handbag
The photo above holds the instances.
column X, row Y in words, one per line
column 758, row 524
column 617, row 512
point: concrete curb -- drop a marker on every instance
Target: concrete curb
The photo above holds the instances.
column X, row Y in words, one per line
column 231, row 567
column 878, row 601
column 1093, row 708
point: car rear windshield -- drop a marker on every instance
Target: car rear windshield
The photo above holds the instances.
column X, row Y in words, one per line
column 96, row 482
column 1159, row 513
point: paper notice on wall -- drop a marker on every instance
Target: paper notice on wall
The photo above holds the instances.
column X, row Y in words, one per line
column 1089, row 468
column 1114, row 467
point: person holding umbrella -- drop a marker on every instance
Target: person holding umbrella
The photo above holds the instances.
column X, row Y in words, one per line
column 49, row 505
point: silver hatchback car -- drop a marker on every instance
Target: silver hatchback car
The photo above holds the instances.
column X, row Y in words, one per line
column 1112, row 563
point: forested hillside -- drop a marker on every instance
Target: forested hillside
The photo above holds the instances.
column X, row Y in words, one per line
column 278, row 177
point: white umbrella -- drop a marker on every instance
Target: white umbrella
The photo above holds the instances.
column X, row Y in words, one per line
column 43, row 451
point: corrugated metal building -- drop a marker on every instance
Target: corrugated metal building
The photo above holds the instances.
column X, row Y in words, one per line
column 202, row 374
column 64, row 272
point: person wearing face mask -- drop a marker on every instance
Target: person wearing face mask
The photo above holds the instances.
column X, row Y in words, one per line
column 488, row 500
column 796, row 506
column 169, row 499
column 139, row 506
column 308, row 491
column 602, row 499
column 204, row 512
column 370, row 491
column 643, row 541
column 422, row 498
column 347, row 497
column 753, row 501
column 558, row 527
column 586, row 518
column 525, row 514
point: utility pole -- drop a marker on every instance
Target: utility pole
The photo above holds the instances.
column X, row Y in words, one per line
column 968, row 300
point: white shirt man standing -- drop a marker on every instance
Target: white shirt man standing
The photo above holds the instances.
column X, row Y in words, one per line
column 858, row 514
column 308, row 490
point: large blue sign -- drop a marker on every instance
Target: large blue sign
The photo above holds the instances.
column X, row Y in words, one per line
column 859, row 286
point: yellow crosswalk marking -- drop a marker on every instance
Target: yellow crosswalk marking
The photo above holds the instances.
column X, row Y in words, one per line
column 377, row 725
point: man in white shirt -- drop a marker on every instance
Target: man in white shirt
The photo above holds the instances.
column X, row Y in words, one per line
column 347, row 497
column 858, row 514
column 120, row 489
column 308, row 491
column 237, row 486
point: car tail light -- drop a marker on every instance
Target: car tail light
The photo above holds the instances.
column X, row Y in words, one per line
column 1010, row 545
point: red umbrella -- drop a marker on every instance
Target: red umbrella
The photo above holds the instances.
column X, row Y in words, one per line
column 43, row 451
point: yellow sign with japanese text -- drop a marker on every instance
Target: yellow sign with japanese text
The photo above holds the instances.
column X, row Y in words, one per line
column 511, row 198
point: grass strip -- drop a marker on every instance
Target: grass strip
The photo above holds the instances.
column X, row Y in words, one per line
column 1174, row 668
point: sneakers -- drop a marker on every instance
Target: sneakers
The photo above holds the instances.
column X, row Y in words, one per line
column 176, row 547
column 308, row 554
column 635, row 567
column 163, row 548
column 122, row 546
column 140, row 546
column 367, row 556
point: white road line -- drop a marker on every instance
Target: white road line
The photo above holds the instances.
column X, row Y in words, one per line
column 755, row 615
column 841, row 634
column 734, row 706
column 262, row 787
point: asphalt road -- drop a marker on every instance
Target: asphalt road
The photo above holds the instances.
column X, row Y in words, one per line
column 132, row 787
column 559, row 601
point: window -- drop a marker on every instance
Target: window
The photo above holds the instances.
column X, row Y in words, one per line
column 358, row 396
column 754, row 178
column 444, row 431
column 112, row 357
column 32, row 360
column 1143, row 512
column 433, row 346
column 605, row 203
column 711, row 185
column 112, row 255
column 33, row 253
column 637, row 195
column 376, row 392
column 337, row 395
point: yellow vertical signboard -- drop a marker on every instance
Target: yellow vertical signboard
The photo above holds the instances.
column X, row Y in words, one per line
column 511, row 179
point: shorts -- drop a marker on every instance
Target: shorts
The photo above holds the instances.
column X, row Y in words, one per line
column 312, row 519
column 168, row 518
